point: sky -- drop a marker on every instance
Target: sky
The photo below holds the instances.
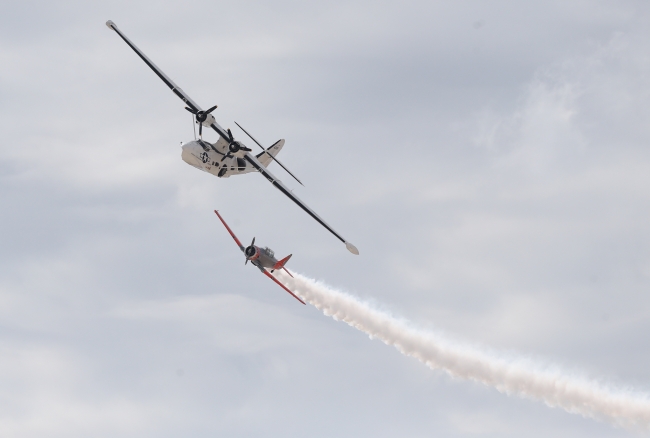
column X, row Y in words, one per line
column 489, row 160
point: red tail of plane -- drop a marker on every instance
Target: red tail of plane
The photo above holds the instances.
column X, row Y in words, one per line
column 281, row 263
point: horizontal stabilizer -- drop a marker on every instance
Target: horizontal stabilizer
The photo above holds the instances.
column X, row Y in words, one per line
column 264, row 158
column 287, row 271
column 282, row 262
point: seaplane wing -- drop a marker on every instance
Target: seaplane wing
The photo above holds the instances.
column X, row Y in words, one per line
column 172, row 86
column 280, row 186
column 237, row 148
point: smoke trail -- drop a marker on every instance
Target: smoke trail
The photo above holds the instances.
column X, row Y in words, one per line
column 511, row 376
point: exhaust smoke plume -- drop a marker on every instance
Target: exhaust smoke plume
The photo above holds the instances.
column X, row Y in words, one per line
column 509, row 375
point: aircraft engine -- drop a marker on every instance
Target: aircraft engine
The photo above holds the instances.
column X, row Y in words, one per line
column 234, row 147
column 252, row 252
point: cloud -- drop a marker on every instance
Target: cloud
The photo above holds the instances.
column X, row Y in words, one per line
column 501, row 170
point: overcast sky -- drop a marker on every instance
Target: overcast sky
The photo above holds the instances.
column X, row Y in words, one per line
column 490, row 160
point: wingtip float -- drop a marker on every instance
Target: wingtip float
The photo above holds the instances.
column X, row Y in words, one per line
column 353, row 249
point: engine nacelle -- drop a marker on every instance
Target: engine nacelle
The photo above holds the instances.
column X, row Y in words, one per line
column 234, row 147
column 209, row 120
column 252, row 252
column 238, row 149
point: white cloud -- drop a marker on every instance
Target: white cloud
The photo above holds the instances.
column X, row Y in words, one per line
column 499, row 172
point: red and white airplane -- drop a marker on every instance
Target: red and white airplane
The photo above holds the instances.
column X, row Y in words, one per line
column 262, row 258
column 227, row 156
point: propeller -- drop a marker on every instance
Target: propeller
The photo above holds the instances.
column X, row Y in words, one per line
column 267, row 153
column 201, row 116
column 249, row 251
column 234, row 146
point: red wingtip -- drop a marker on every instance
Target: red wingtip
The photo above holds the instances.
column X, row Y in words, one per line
column 283, row 286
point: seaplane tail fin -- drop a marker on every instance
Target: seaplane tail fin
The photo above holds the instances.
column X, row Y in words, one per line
column 263, row 157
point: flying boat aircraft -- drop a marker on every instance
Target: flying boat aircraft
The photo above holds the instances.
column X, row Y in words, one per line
column 227, row 156
column 262, row 258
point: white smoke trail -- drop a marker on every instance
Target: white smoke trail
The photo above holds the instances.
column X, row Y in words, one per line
column 511, row 376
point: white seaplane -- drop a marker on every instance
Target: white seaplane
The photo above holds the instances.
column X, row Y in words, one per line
column 227, row 156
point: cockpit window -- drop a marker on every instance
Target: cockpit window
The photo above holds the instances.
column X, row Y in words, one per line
column 241, row 163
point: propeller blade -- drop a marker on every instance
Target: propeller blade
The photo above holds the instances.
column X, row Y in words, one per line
column 190, row 110
column 253, row 242
column 230, row 135
column 210, row 110
column 226, row 156
column 246, row 261
column 200, row 129
column 264, row 149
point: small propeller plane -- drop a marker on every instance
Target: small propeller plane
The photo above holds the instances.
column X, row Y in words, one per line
column 227, row 156
column 262, row 258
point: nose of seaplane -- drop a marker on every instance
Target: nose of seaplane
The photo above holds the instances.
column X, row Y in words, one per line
column 191, row 153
